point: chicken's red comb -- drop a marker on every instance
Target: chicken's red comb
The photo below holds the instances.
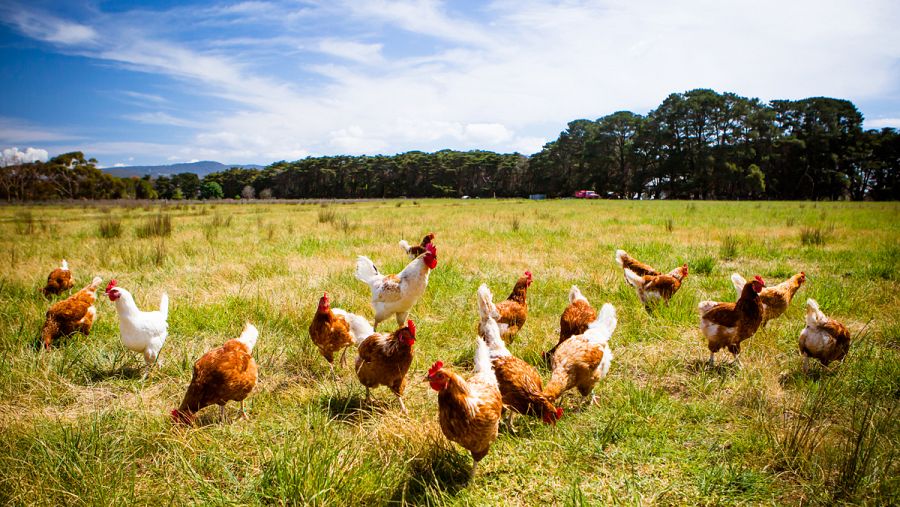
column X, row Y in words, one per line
column 559, row 413
column 759, row 279
column 412, row 327
column 112, row 283
column 528, row 274
column 431, row 248
column 435, row 367
column 324, row 295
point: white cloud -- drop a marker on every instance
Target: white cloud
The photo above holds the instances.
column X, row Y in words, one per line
column 12, row 156
column 509, row 80
column 161, row 118
column 880, row 123
column 52, row 29
column 118, row 164
column 355, row 51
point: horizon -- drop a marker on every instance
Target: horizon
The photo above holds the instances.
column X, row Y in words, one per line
column 256, row 82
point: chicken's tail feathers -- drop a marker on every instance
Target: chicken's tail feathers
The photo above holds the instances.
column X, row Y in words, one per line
column 575, row 294
column 814, row 315
column 620, row 257
column 634, row 279
column 360, row 328
column 249, row 335
column 606, row 320
column 486, row 307
column 738, row 281
column 483, row 364
column 95, row 284
column 366, row 271
column 706, row 306
column 404, row 245
column 64, row 265
column 164, row 305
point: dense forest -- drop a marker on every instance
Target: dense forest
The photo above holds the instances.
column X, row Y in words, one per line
column 696, row 145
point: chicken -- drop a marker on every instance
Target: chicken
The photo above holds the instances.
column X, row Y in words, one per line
column 514, row 310
column 396, row 294
column 520, row 384
column 726, row 325
column 143, row 332
column 824, row 339
column 383, row 360
column 637, row 267
column 333, row 329
column 584, row 359
column 58, row 281
column 226, row 373
column 469, row 411
column 74, row 314
column 416, row 250
column 574, row 321
column 775, row 299
column 652, row 288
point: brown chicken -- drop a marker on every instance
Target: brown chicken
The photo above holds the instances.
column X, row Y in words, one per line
column 469, row 411
column 574, row 320
column 59, row 280
column 637, row 267
column 726, row 325
column 226, row 373
column 775, row 299
column 520, row 384
column 823, row 338
column 653, row 288
column 514, row 310
column 416, row 250
column 71, row 315
column 383, row 360
column 584, row 359
column 333, row 330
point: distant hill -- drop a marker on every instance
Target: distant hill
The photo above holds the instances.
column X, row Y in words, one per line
column 201, row 169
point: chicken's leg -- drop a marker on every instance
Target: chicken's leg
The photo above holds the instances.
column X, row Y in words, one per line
column 401, row 318
column 222, row 413
column 368, row 399
column 712, row 360
column 806, row 365
column 243, row 412
column 402, row 405
column 344, row 358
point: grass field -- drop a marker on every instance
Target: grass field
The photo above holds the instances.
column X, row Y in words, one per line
column 81, row 427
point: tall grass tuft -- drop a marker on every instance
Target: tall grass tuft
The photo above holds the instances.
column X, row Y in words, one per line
column 327, row 215
column 159, row 225
column 704, row 265
column 109, row 228
column 728, row 249
column 26, row 224
column 815, row 236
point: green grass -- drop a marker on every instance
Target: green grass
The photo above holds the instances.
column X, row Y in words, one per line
column 81, row 427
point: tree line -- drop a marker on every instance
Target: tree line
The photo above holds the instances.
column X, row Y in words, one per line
column 696, row 145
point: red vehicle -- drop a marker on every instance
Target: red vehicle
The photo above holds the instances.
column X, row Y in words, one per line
column 586, row 194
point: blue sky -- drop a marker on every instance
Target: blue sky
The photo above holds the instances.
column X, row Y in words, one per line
column 259, row 81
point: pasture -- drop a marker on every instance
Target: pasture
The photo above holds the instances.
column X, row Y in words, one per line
column 81, row 427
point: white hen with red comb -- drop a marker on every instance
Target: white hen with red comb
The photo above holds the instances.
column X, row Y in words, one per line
column 143, row 332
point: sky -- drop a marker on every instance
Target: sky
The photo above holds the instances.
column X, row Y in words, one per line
column 139, row 82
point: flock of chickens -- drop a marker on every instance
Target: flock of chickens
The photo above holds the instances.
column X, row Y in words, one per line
column 469, row 409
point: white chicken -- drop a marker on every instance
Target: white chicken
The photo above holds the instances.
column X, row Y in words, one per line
column 396, row 294
column 143, row 332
